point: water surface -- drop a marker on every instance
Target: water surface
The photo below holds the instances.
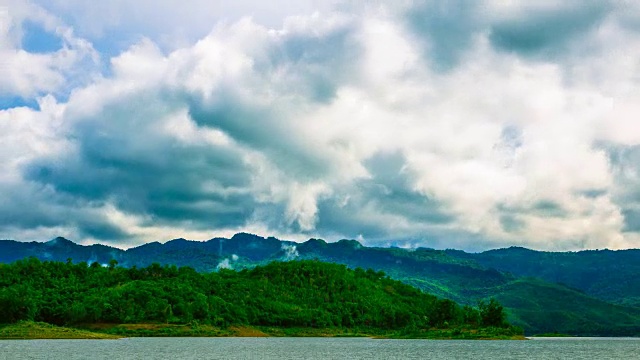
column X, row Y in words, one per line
column 320, row 348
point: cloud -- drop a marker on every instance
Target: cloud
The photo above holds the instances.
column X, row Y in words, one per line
column 543, row 30
column 418, row 124
column 114, row 25
column 626, row 169
column 445, row 30
column 32, row 64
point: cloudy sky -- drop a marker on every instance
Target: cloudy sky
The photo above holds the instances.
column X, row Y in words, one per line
column 446, row 124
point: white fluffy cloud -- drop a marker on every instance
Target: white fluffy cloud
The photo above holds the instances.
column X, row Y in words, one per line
column 170, row 23
column 28, row 74
column 415, row 125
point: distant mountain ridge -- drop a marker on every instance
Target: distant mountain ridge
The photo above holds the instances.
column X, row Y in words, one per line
column 606, row 274
column 587, row 292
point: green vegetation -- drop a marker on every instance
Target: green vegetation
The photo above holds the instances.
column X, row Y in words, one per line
column 552, row 334
column 293, row 298
column 39, row 330
column 604, row 274
column 558, row 309
column 581, row 293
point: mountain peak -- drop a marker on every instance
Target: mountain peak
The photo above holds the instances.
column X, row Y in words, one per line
column 60, row 241
column 315, row 241
column 246, row 237
column 354, row 244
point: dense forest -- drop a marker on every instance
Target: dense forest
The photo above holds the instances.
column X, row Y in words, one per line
column 310, row 294
column 588, row 293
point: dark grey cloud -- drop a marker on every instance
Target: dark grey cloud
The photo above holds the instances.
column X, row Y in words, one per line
column 259, row 127
column 548, row 208
column 445, row 30
column 123, row 157
column 97, row 227
column 300, row 70
column 625, row 164
column 316, row 64
column 510, row 223
column 512, row 217
column 383, row 205
column 30, row 206
column 545, row 208
column 594, row 193
column 548, row 32
column 392, row 182
column 631, row 220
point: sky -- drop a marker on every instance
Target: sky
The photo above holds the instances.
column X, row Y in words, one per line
column 444, row 124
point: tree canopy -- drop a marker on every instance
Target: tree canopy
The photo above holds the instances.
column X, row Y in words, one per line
column 284, row 294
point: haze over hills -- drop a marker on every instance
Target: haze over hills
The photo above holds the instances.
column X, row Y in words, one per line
column 585, row 293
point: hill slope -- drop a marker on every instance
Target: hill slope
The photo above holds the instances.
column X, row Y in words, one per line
column 542, row 307
column 605, row 274
column 457, row 275
column 308, row 294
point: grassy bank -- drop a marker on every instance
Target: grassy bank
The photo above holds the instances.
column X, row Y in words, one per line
column 174, row 330
column 553, row 334
column 163, row 330
column 463, row 334
column 39, row 330
column 154, row 330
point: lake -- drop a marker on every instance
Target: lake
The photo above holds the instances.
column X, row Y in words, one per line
column 320, row 348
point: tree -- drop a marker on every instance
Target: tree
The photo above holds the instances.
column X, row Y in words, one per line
column 290, row 294
column 491, row 313
column 17, row 303
column 470, row 315
column 112, row 264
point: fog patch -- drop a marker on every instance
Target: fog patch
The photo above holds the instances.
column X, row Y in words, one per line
column 290, row 252
column 224, row 264
column 227, row 263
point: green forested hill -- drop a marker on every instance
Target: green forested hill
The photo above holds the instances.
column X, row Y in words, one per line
column 608, row 275
column 309, row 294
column 574, row 283
column 543, row 307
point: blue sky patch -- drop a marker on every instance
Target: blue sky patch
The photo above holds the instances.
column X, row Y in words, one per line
column 8, row 102
column 36, row 39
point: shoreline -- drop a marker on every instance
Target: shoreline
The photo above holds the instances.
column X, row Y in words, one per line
column 27, row 330
column 37, row 330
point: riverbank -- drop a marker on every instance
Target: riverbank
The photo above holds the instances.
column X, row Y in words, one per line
column 36, row 330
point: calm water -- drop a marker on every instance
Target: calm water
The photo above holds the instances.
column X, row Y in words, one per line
column 319, row 348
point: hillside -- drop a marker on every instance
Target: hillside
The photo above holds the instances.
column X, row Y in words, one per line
column 58, row 249
column 605, row 274
column 558, row 309
column 576, row 291
column 305, row 294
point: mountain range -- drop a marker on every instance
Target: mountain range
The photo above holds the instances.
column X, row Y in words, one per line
column 592, row 292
